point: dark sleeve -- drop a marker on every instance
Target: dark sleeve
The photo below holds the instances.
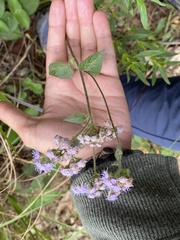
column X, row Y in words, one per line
column 155, row 110
column 150, row 210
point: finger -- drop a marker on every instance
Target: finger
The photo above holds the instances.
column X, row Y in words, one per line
column 87, row 34
column 14, row 118
column 56, row 44
column 72, row 27
column 105, row 43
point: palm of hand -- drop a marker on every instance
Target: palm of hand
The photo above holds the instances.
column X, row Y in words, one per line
column 67, row 97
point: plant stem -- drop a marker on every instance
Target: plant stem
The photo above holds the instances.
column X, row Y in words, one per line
column 87, row 98
column 83, row 82
column 94, row 161
column 110, row 118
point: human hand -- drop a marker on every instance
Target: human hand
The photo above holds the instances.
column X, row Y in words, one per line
column 88, row 32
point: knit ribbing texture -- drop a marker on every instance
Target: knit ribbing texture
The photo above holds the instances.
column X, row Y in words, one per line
column 149, row 211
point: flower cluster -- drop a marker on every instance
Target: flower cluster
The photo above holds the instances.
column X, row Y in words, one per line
column 74, row 168
column 106, row 133
column 114, row 186
column 63, row 153
column 66, row 152
column 41, row 167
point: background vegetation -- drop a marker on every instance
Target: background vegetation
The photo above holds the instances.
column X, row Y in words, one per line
column 145, row 36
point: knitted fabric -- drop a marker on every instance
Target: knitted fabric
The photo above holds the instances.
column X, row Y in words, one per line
column 149, row 211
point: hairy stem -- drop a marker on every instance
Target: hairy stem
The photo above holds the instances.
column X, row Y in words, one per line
column 110, row 118
column 83, row 82
column 94, row 162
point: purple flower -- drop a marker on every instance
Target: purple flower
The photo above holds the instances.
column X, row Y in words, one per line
column 66, row 172
column 36, row 155
column 45, row 167
column 82, row 189
column 119, row 129
column 112, row 198
column 67, row 151
column 93, row 141
column 90, row 192
column 109, row 183
column 62, row 143
column 51, row 156
column 74, row 167
column 94, row 194
column 82, row 163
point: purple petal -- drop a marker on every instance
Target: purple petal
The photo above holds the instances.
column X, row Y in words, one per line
column 82, row 189
column 66, row 172
column 112, row 198
column 36, row 155
column 46, row 167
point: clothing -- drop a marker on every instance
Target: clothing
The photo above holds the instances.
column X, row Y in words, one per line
column 149, row 211
column 155, row 110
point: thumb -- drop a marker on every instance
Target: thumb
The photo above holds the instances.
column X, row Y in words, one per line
column 14, row 118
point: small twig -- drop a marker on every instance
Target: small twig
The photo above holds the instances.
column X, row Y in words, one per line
column 25, row 103
column 171, row 43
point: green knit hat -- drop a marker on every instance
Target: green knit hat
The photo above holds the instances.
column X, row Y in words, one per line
column 149, row 211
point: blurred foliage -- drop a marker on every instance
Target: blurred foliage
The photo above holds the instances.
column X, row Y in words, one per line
column 140, row 50
column 15, row 17
column 148, row 147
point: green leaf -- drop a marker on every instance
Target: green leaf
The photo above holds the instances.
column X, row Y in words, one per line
column 149, row 53
column 24, row 221
column 135, row 36
column 11, row 35
column 143, row 13
column 127, row 75
column 30, row 6
column 153, row 79
column 22, row 18
column 128, row 4
column 10, row 20
column 76, row 118
column 3, row 27
column 14, row 5
column 3, row 97
column 34, row 87
column 47, row 197
column 13, row 138
column 166, row 36
column 159, row 3
column 2, row 7
column 110, row 4
column 163, row 74
column 140, row 75
column 172, row 62
column 31, row 112
column 161, row 24
column 5, row 137
column 93, row 63
column 61, row 70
